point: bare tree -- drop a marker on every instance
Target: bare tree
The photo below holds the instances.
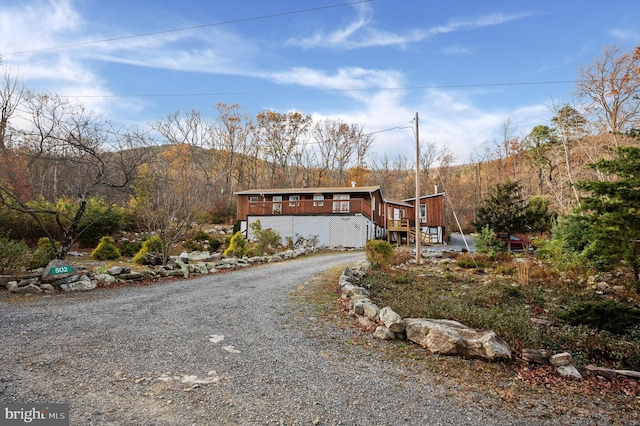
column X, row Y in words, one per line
column 231, row 134
column 569, row 124
column 11, row 96
column 87, row 157
column 280, row 134
column 428, row 154
column 610, row 87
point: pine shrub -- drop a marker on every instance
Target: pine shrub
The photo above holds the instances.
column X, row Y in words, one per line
column 106, row 249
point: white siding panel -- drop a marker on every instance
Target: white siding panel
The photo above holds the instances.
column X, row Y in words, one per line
column 282, row 224
column 332, row 231
column 308, row 226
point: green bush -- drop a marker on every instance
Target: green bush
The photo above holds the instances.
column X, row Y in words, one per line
column 379, row 253
column 106, row 249
column 99, row 219
column 487, row 243
column 608, row 315
column 237, row 245
column 13, row 255
column 44, row 254
column 152, row 245
column 202, row 241
column 267, row 240
column 130, row 248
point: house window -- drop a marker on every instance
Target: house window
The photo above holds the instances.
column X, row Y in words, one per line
column 277, row 204
column 342, row 205
column 318, row 200
column 293, row 200
column 423, row 213
column 254, row 199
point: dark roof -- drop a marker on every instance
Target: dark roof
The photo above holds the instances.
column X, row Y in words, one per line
column 333, row 190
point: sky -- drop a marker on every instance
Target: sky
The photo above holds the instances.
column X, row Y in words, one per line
column 465, row 66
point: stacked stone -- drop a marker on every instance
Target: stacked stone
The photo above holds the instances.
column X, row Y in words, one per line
column 438, row 336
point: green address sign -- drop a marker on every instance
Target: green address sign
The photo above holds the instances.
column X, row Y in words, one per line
column 61, row 270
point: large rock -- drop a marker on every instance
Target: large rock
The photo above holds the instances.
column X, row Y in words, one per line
column 392, row 320
column 384, row 333
column 82, row 285
column 569, row 371
column 561, row 359
column 538, row 356
column 452, row 338
column 46, row 275
column 27, row 289
column 105, row 279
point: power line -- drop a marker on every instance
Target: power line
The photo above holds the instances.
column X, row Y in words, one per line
column 371, row 89
column 233, row 21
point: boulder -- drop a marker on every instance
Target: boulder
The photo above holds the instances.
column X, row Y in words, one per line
column 392, row 320
column 537, row 356
column 366, row 322
column 371, row 311
column 131, row 276
column 105, row 279
column 115, row 270
column 569, row 371
column 448, row 337
column 46, row 275
column 12, row 286
column 561, row 359
column 47, row 288
column 82, row 285
column 384, row 333
column 27, row 289
column 183, row 270
column 28, row 281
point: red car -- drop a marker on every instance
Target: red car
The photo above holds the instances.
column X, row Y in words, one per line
column 518, row 242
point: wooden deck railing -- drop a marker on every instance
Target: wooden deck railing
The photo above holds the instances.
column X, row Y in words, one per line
column 287, row 207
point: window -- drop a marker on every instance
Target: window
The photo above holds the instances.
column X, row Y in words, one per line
column 318, row 200
column 254, row 199
column 423, row 213
column 293, row 200
column 277, row 204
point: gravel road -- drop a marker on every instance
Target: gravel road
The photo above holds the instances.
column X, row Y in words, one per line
column 218, row 350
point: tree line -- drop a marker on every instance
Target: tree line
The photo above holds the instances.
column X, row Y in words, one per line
column 61, row 164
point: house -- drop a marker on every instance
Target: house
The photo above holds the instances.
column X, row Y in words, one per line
column 336, row 216
column 431, row 216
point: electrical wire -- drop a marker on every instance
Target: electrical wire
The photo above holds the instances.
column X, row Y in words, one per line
column 195, row 27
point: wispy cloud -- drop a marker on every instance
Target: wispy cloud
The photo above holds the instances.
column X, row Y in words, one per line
column 626, row 35
column 361, row 34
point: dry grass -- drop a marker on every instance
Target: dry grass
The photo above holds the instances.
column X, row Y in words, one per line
column 534, row 389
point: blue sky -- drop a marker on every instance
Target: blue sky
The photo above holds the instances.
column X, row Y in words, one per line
column 373, row 63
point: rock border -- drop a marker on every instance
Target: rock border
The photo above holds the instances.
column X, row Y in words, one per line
column 82, row 279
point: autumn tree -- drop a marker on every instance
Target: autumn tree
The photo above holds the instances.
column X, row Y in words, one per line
column 168, row 197
column 230, row 136
column 279, row 135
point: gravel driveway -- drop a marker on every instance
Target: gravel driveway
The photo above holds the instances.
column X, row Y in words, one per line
column 217, row 350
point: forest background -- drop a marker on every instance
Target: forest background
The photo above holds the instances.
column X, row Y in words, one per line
column 71, row 176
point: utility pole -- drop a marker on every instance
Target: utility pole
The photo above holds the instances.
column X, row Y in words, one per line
column 417, row 205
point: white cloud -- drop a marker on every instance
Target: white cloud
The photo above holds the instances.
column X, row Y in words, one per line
column 626, row 35
column 359, row 33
